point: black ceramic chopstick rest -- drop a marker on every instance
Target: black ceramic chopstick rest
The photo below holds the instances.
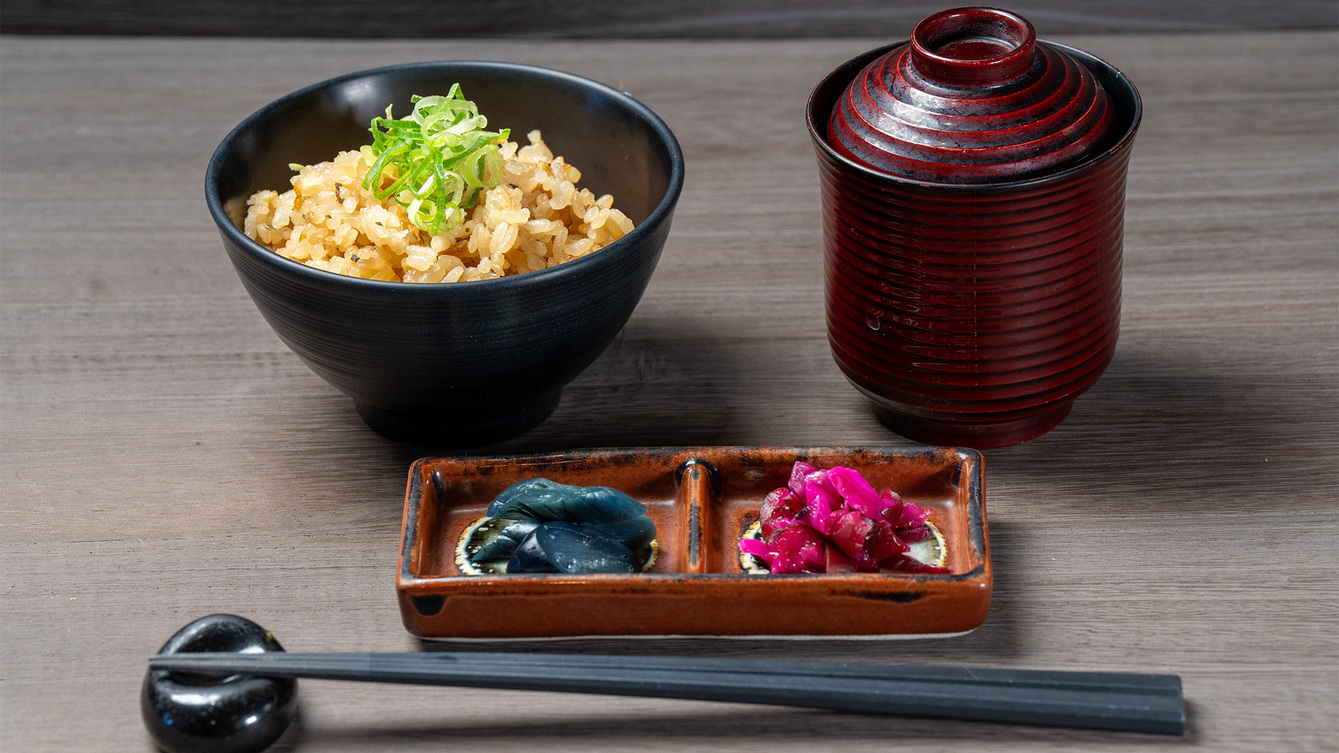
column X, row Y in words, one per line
column 188, row 713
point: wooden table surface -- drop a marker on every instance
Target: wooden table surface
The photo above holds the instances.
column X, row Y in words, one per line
column 165, row 456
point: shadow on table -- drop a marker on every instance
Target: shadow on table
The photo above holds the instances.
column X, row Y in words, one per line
column 1185, row 430
column 660, row 384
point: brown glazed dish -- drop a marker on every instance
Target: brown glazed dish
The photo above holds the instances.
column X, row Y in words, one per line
column 973, row 187
column 702, row 500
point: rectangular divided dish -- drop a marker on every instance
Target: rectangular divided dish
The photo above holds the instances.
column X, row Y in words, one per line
column 701, row 500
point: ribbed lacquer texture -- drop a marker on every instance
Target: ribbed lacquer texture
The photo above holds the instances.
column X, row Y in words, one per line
column 934, row 295
column 1031, row 111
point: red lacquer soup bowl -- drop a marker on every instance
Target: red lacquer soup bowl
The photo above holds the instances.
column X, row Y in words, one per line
column 973, row 187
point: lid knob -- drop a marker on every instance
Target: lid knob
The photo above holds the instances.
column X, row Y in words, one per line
column 967, row 46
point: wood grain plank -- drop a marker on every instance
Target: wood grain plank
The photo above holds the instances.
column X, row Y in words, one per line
column 690, row 19
column 166, row 457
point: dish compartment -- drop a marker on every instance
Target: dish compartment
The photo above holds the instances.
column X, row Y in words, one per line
column 702, row 500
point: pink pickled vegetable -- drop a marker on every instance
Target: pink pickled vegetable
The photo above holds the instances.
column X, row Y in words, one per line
column 914, row 535
column 902, row 515
column 849, row 532
column 839, row 563
column 797, row 549
column 797, row 474
column 834, row 521
column 754, row 547
column 779, row 510
column 907, row 564
column 858, row 493
column 883, row 541
column 820, row 502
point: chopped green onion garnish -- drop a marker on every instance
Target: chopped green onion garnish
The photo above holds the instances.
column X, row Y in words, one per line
column 438, row 159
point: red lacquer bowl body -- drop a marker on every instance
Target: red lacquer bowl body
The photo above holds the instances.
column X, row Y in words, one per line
column 973, row 295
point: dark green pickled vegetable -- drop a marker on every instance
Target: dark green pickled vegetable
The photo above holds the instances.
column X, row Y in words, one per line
column 633, row 533
column 544, row 500
column 506, row 542
column 565, row 548
column 569, row 529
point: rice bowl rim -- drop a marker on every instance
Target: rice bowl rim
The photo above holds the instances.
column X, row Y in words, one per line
column 269, row 256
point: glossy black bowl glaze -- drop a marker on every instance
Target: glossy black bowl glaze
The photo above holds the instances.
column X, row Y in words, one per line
column 470, row 363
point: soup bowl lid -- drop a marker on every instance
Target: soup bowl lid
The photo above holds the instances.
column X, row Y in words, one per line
column 973, row 98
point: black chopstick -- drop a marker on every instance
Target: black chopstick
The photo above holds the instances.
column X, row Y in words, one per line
column 1093, row 700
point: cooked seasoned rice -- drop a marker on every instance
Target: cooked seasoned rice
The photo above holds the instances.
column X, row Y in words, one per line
column 534, row 218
